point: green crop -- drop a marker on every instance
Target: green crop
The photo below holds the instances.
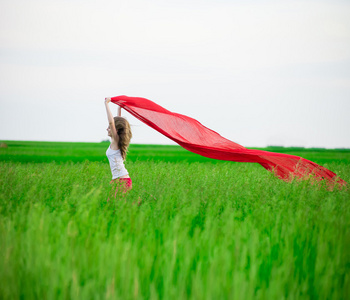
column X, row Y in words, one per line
column 190, row 228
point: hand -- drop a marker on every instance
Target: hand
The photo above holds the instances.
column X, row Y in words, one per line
column 107, row 100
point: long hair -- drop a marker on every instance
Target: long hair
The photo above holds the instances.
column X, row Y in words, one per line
column 124, row 132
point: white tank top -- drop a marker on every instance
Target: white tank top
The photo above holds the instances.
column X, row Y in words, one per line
column 116, row 163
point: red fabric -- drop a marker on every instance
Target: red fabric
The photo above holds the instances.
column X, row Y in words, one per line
column 193, row 136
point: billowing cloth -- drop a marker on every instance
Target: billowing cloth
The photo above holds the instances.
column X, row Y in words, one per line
column 193, row 136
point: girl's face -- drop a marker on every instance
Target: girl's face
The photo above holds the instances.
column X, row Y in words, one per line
column 109, row 131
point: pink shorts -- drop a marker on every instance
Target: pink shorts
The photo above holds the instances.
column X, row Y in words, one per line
column 125, row 184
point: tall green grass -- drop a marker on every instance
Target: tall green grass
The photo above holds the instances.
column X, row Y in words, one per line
column 187, row 230
column 25, row 151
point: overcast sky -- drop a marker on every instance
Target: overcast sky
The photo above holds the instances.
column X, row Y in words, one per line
column 257, row 72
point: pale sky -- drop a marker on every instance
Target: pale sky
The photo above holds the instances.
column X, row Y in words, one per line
column 257, row 72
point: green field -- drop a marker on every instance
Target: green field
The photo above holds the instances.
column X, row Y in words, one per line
column 191, row 227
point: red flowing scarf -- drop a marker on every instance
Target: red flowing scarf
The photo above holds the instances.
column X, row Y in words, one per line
column 193, row 136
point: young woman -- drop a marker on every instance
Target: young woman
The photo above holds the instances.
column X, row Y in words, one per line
column 120, row 133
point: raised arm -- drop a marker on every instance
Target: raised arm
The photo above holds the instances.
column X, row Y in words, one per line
column 111, row 120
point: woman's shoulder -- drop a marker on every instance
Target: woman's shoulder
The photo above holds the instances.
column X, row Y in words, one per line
column 114, row 145
column 113, row 149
